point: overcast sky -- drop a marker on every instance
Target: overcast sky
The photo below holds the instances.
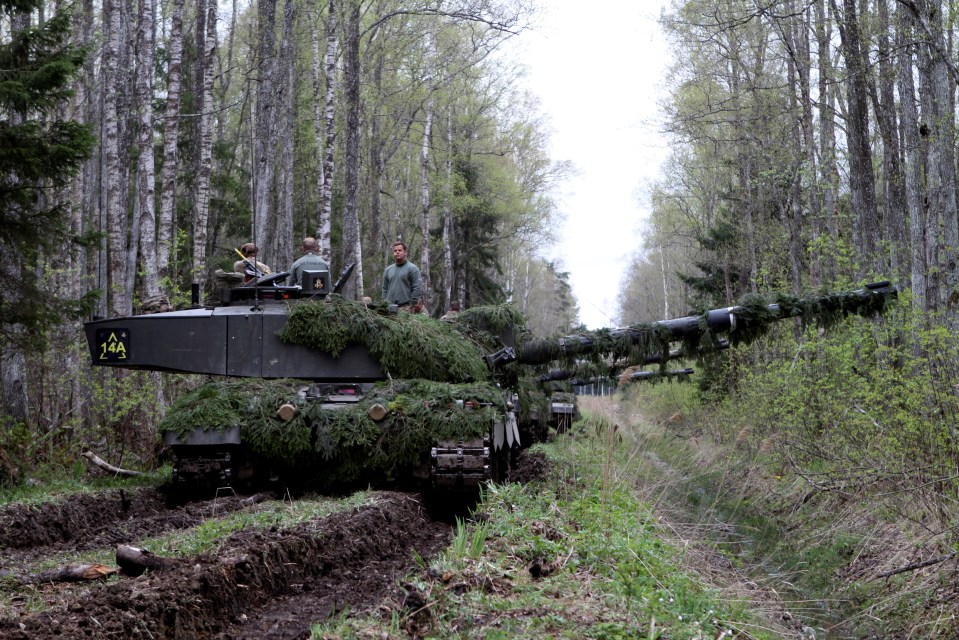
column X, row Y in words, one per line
column 598, row 70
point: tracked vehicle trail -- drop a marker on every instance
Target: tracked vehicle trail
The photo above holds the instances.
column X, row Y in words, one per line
column 261, row 583
column 98, row 520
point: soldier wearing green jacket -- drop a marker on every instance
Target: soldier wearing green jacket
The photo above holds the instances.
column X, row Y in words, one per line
column 402, row 283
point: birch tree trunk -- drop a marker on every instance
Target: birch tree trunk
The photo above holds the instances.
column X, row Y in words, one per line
column 171, row 131
column 793, row 217
column 146, row 174
column 329, row 115
column 425, row 168
column 828, row 170
column 932, row 231
column 86, row 101
column 287, row 115
column 798, row 30
column 942, row 123
column 883, row 98
column 377, row 161
column 861, row 179
column 201, row 206
column 352, row 248
column 448, row 214
column 264, row 173
column 120, row 300
column 912, row 146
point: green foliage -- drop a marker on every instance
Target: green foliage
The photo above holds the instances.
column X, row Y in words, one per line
column 717, row 244
column 36, row 152
column 861, row 399
column 406, row 345
column 340, row 445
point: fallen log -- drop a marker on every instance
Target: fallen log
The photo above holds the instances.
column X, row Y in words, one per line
column 134, row 562
column 72, row 573
column 103, row 464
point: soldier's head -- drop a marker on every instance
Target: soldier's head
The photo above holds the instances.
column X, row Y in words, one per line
column 248, row 250
column 309, row 245
column 399, row 252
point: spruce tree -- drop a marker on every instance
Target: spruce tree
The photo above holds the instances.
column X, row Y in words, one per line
column 38, row 154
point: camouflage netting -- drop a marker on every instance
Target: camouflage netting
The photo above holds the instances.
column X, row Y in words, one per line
column 601, row 348
column 343, row 444
column 406, row 345
column 754, row 318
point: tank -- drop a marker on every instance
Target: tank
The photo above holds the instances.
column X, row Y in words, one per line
column 306, row 388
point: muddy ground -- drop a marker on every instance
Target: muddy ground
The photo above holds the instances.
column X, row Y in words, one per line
column 260, row 584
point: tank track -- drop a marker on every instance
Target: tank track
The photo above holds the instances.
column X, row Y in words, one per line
column 459, row 464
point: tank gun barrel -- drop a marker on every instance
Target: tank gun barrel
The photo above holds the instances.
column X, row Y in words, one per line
column 652, row 375
column 730, row 320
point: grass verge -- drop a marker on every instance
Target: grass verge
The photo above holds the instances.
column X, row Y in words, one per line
column 859, row 558
column 579, row 554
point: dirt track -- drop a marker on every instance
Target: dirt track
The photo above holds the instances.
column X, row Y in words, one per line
column 262, row 583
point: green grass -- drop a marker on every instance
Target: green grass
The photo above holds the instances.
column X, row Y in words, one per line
column 579, row 555
column 53, row 484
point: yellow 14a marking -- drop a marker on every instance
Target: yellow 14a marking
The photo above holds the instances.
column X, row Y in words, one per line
column 112, row 348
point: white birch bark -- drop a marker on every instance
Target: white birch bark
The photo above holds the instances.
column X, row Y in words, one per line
column 119, row 299
column 171, row 130
column 318, row 130
column 912, row 147
column 201, row 202
column 323, row 227
column 352, row 247
column 448, row 213
column 265, row 133
column 425, row 168
column 829, row 172
column 287, row 114
column 146, row 175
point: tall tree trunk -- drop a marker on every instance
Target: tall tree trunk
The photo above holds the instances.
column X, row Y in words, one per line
column 120, row 300
column 201, row 206
column 287, row 115
column 171, row 131
column 828, row 169
column 425, row 168
column 933, row 185
column 352, row 249
column 146, row 175
column 448, row 213
column 894, row 202
column 264, row 171
column 862, row 182
column 329, row 116
column 912, row 146
column 942, row 165
column 374, row 234
column 798, row 30
column 796, row 65
column 14, row 399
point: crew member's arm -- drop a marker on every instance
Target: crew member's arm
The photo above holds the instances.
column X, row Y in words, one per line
column 416, row 286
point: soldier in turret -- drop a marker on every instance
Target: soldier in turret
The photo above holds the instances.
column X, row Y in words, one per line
column 402, row 282
column 249, row 265
column 310, row 260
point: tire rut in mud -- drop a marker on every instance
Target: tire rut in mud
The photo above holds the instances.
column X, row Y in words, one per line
column 261, row 583
column 97, row 520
